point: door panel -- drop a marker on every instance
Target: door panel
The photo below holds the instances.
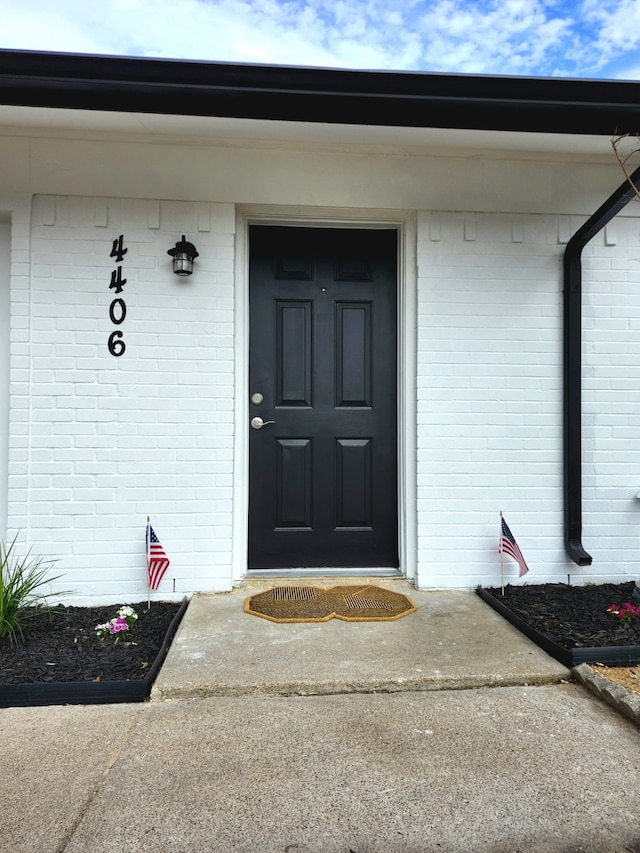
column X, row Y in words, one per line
column 322, row 481
column 353, row 354
column 292, row 480
column 293, row 353
column 353, row 487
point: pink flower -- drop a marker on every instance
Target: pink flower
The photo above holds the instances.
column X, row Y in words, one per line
column 625, row 612
column 124, row 621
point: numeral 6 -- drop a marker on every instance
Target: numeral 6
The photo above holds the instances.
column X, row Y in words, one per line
column 116, row 346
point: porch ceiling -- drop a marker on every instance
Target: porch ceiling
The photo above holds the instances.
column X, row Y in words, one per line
column 205, row 130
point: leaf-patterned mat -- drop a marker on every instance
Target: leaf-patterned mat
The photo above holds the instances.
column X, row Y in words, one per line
column 351, row 603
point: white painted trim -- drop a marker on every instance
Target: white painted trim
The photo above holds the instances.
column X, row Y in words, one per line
column 407, row 398
column 239, row 544
column 404, row 222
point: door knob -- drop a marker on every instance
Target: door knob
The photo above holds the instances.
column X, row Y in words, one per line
column 258, row 423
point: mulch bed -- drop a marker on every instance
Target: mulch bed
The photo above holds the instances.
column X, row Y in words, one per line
column 61, row 646
column 574, row 616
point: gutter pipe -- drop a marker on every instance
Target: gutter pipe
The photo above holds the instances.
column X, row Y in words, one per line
column 572, row 398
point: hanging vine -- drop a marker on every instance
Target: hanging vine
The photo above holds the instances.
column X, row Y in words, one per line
column 619, row 143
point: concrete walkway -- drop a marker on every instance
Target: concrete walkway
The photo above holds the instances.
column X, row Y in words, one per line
column 444, row 731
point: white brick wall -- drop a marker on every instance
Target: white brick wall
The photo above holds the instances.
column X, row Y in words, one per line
column 19, row 345
column 490, row 398
column 5, row 278
column 97, row 443
column 102, row 442
column 611, row 399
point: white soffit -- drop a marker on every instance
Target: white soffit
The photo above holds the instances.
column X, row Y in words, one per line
column 197, row 130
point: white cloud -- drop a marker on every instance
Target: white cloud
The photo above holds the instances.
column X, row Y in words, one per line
column 39, row 26
column 537, row 37
column 514, row 37
column 617, row 24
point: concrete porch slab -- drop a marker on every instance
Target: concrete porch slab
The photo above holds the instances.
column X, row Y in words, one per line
column 453, row 641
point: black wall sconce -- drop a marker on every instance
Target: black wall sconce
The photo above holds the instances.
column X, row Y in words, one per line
column 183, row 256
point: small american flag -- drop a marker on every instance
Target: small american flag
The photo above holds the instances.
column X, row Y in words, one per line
column 508, row 545
column 157, row 560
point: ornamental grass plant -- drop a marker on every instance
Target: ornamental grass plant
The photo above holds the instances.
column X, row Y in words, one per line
column 21, row 581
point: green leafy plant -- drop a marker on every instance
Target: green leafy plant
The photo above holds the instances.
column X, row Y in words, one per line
column 21, row 579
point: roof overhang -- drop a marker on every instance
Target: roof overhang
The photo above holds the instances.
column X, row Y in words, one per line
column 317, row 95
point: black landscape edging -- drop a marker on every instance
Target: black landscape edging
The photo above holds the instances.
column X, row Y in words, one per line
column 608, row 655
column 91, row 692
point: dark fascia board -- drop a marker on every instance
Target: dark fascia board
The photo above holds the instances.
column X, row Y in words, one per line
column 385, row 98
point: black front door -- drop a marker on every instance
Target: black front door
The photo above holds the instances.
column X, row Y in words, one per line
column 322, row 378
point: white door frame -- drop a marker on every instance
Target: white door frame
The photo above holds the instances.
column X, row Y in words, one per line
column 404, row 222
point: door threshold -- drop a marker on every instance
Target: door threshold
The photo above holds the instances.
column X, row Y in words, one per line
column 254, row 574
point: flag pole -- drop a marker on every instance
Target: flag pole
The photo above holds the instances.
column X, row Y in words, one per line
column 148, row 578
column 501, row 558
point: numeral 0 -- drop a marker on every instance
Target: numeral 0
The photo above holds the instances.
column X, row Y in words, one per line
column 112, row 310
column 116, row 346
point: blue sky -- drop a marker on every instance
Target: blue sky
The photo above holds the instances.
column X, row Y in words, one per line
column 585, row 38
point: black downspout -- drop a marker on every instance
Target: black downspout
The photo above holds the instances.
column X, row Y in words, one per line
column 573, row 365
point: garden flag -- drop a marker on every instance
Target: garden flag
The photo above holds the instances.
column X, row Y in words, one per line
column 157, row 560
column 508, row 545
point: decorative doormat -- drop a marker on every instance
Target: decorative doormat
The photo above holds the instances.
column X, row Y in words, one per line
column 319, row 604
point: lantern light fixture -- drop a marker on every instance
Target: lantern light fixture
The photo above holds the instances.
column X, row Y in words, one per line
column 183, row 256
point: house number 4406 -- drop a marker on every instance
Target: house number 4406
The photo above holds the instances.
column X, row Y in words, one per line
column 117, row 309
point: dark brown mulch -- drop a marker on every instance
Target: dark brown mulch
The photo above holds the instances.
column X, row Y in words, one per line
column 574, row 616
column 61, row 646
